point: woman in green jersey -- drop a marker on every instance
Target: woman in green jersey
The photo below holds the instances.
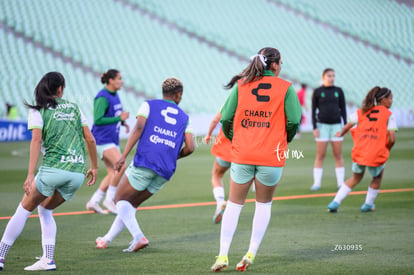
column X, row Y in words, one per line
column 60, row 131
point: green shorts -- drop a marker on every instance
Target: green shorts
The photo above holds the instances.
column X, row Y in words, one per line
column 222, row 162
column 50, row 179
column 374, row 171
column 267, row 175
column 142, row 178
column 101, row 148
column 327, row 132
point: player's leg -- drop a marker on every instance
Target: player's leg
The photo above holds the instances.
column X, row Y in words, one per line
column 17, row 222
column 240, row 180
column 93, row 203
column 219, row 169
column 339, row 162
column 110, row 156
column 122, row 193
column 64, row 184
column 321, row 147
column 373, row 189
column 98, row 195
column 266, row 182
column 136, row 187
column 346, row 188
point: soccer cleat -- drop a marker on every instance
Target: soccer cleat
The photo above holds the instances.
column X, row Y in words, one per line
column 42, row 264
column 101, row 243
column 247, row 260
column 1, row 263
column 94, row 206
column 219, row 214
column 315, row 187
column 136, row 245
column 333, row 207
column 367, row 207
column 222, row 262
column 110, row 205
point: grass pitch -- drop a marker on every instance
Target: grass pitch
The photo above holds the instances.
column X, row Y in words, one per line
column 302, row 238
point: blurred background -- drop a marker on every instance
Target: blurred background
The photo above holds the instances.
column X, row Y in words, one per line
column 204, row 43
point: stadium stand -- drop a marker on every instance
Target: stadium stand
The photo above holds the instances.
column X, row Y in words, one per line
column 204, row 43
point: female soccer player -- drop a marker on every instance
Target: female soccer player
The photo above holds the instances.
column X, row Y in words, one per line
column 221, row 150
column 260, row 117
column 161, row 128
column 59, row 127
column 108, row 117
column 374, row 136
column 328, row 107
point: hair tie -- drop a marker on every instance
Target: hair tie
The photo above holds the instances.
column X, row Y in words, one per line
column 262, row 58
column 385, row 94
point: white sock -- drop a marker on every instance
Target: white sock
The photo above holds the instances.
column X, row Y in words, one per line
column 15, row 226
column 371, row 195
column 127, row 213
column 97, row 196
column 116, row 228
column 261, row 221
column 342, row 193
column 340, row 175
column 218, row 193
column 4, row 249
column 110, row 193
column 48, row 226
column 317, row 176
column 228, row 226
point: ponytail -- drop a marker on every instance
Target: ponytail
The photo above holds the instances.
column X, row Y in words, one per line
column 46, row 91
column 258, row 64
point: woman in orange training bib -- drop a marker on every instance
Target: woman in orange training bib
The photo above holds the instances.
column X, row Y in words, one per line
column 261, row 115
column 373, row 136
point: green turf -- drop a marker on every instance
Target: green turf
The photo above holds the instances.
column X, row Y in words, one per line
column 303, row 238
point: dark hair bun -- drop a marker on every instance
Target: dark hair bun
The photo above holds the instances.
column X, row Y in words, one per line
column 104, row 78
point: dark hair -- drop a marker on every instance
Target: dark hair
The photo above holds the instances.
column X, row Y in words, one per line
column 256, row 66
column 303, row 85
column 110, row 74
column 46, row 91
column 375, row 95
column 172, row 86
column 327, row 70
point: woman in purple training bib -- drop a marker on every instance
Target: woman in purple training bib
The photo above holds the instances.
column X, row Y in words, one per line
column 164, row 134
column 108, row 116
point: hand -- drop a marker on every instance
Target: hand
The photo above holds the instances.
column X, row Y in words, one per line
column 338, row 134
column 27, row 186
column 126, row 127
column 207, row 139
column 119, row 164
column 93, row 174
column 124, row 115
column 316, row 133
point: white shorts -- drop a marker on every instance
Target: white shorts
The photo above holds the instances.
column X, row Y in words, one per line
column 327, row 132
column 103, row 147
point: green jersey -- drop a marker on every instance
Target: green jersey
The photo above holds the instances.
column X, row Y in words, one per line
column 62, row 135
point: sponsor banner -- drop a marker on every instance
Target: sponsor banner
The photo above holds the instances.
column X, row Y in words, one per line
column 14, row 131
